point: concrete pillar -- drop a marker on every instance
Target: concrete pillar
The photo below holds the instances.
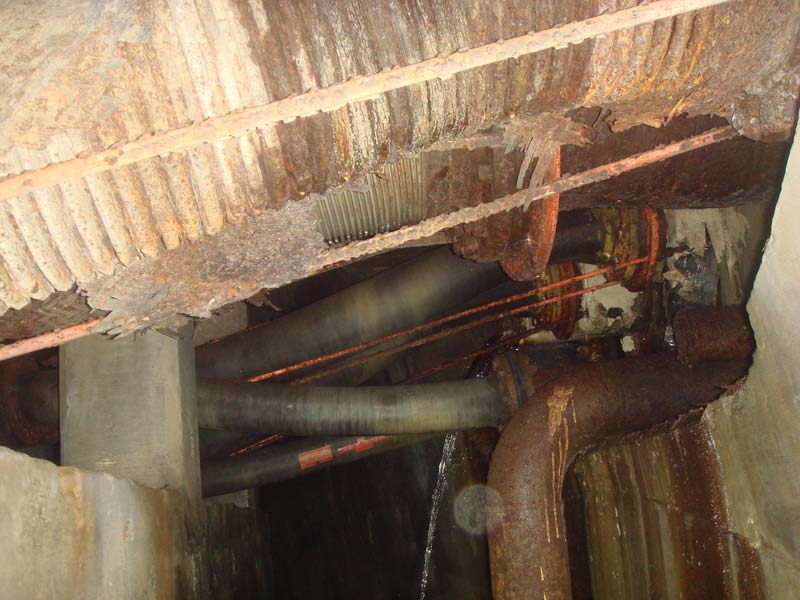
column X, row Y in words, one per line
column 127, row 408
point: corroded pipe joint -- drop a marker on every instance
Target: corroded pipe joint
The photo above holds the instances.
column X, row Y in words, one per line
column 563, row 314
column 515, row 373
column 632, row 233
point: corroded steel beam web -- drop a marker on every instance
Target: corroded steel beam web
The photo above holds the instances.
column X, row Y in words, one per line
column 336, row 96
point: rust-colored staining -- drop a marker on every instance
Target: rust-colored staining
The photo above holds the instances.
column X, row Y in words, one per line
column 284, row 246
column 713, row 333
column 650, row 242
column 732, row 172
column 582, row 407
column 454, row 330
column 657, row 521
column 25, row 428
column 522, row 198
column 520, row 239
column 632, row 232
column 194, row 104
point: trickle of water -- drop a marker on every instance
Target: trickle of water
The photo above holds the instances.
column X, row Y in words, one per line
column 436, row 501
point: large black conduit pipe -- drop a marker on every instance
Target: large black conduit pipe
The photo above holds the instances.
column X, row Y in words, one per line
column 310, row 410
column 408, row 295
column 294, row 458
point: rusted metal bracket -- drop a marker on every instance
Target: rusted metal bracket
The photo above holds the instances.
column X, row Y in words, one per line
column 521, row 241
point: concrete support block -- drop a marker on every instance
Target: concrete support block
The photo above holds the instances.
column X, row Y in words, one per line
column 127, row 408
column 70, row 534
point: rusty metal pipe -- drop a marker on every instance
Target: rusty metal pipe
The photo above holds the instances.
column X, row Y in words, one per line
column 294, row 458
column 584, row 407
column 407, row 295
column 713, row 333
column 311, row 410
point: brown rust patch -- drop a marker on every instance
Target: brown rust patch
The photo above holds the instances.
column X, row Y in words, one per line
column 732, row 172
column 713, row 333
column 657, row 521
column 610, row 400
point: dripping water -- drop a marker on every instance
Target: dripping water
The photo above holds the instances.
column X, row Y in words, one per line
column 436, row 501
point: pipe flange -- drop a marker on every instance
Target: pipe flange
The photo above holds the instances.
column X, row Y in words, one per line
column 649, row 231
column 532, row 254
column 563, row 314
column 515, row 374
column 26, row 429
column 628, row 234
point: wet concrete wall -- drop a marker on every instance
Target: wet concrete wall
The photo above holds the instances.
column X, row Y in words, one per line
column 711, row 509
column 74, row 534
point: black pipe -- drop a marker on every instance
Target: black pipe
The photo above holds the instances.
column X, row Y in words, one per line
column 408, row 295
column 311, row 410
column 293, row 458
column 579, row 237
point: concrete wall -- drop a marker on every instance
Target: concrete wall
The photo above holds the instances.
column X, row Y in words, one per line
column 729, row 482
column 74, row 534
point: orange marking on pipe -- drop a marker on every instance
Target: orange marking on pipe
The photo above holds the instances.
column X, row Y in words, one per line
column 361, row 445
column 315, row 457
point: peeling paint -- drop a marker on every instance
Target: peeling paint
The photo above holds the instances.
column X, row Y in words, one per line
column 605, row 311
column 726, row 228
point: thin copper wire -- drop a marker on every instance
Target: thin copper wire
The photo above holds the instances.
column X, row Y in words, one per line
column 451, row 331
column 262, row 443
column 482, row 352
column 425, row 326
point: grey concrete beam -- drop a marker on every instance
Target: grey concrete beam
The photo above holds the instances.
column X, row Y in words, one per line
column 127, row 408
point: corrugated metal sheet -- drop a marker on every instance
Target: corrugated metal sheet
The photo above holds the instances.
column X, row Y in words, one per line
column 82, row 77
column 389, row 200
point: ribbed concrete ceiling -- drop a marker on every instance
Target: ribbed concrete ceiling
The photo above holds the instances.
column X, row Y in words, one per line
column 78, row 79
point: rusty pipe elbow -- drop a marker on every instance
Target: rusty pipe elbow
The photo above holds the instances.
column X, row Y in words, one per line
column 582, row 408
